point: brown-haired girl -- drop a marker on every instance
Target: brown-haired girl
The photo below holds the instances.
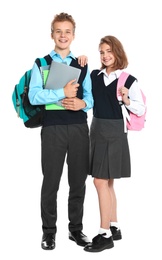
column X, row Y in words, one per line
column 110, row 156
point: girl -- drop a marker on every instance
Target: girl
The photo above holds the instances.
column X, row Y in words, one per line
column 110, row 157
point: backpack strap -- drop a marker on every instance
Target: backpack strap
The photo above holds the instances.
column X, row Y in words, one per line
column 42, row 62
column 46, row 60
column 121, row 82
column 27, row 78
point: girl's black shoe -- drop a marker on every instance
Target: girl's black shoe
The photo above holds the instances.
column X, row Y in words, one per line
column 99, row 243
column 116, row 233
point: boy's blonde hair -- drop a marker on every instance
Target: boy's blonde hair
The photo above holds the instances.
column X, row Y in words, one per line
column 62, row 17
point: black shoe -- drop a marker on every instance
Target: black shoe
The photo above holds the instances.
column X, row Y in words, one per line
column 116, row 233
column 79, row 238
column 48, row 241
column 99, row 243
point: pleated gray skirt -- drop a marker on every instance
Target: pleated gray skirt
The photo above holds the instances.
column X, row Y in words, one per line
column 109, row 149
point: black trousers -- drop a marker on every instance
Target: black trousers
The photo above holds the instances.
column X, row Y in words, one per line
column 56, row 142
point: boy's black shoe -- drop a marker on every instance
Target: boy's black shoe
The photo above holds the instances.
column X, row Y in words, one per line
column 79, row 238
column 48, row 241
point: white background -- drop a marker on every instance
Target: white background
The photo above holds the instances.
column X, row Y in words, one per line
column 25, row 35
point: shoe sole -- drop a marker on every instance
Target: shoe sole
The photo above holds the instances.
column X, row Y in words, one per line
column 99, row 250
column 48, row 248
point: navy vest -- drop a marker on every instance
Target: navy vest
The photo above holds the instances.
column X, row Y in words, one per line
column 65, row 117
column 106, row 105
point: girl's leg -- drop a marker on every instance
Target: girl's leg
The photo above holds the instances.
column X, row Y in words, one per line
column 105, row 202
column 114, row 201
column 107, row 206
column 114, row 226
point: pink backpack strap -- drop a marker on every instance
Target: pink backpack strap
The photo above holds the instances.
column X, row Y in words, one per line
column 121, row 81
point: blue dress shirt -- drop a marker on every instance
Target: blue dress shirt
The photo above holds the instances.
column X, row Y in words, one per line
column 40, row 96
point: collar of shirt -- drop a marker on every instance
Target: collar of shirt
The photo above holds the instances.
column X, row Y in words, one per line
column 111, row 77
column 56, row 57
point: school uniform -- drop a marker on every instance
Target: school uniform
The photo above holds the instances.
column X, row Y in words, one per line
column 109, row 148
column 64, row 136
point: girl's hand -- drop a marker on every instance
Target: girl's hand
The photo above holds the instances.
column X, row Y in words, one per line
column 82, row 60
column 124, row 94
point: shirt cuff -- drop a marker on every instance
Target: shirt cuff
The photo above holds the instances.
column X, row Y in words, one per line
column 60, row 93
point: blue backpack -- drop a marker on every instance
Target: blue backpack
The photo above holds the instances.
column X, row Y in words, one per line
column 32, row 115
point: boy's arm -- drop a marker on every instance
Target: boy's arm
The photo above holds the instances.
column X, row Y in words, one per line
column 37, row 94
column 86, row 103
column 40, row 96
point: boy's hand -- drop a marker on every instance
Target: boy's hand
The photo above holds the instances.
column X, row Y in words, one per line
column 71, row 89
column 74, row 104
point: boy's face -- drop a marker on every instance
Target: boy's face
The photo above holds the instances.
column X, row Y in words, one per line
column 63, row 35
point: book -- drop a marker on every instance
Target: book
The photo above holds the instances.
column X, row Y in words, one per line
column 45, row 72
column 54, row 106
column 57, row 76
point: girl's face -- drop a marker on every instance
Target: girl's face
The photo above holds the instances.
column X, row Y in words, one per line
column 106, row 55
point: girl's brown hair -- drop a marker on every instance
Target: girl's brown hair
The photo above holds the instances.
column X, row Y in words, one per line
column 62, row 17
column 117, row 49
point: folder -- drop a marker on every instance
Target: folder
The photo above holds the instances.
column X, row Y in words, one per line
column 58, row 76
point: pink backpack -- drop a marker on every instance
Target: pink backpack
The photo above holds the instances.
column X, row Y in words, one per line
column 133, row 122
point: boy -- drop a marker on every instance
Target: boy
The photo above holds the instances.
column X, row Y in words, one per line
column 64, row 133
